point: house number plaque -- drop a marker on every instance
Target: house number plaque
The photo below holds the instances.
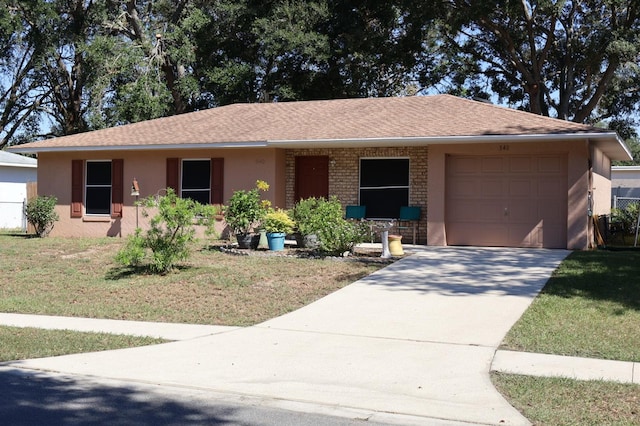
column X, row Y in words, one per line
column 503, row 147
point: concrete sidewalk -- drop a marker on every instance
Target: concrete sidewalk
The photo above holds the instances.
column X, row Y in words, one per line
column 530, row 364
column 412, row 343
column 578, row 368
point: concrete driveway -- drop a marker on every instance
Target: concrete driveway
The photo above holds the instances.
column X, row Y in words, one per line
column 410, row 344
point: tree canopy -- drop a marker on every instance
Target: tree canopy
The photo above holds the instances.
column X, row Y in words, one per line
column 574, row 60
column 70, row 66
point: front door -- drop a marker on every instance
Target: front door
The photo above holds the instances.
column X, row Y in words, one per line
column 312, row 177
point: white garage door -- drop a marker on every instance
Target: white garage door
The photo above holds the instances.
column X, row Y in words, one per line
column 509, row 201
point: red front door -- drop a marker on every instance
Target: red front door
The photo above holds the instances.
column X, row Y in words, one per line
column 312, row 177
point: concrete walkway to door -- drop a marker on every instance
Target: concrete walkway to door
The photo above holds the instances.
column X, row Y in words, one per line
column 410, row 344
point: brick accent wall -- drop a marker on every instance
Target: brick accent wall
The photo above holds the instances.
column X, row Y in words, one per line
column 344, row 176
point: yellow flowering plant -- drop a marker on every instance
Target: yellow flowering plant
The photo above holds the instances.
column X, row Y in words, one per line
column 245, row 209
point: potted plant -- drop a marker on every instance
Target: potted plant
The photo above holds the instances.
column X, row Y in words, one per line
column 307, row 216
column 244, row 211
column 277, row 223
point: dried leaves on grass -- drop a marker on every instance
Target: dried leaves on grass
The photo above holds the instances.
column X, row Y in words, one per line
column 78, row 277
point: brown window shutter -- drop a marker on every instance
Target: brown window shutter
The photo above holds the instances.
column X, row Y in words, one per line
column 77, row 187
column 117, row 187
column 173, row 174
column 217, row 180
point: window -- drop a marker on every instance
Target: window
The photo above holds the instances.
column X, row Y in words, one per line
column 98, row 188
column 191, row 180
column 196, row 180
column 384, row 186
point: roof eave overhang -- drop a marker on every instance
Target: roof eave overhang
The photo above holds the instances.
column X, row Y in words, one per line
column 607, row 142
column 22, row 165
column 151, row 147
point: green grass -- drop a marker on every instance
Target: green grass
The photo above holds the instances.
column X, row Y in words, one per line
column 590, row 308
column 564, row 402
column 22, row 343
column 78, row 277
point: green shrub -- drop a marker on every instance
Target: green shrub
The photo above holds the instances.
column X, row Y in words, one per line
column 41, row 214
column 325, row 219
column 306, row 215
column 133, row 253
column 245, row 208
column 278, row 221
column 170, row 233
column 341, row 236
column 626, row 219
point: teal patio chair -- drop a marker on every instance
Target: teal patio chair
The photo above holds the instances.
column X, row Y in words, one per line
column 410, row 219
column 355, row 212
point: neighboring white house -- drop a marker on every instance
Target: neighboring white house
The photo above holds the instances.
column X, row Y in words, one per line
column 625, row 184
column 15, row 171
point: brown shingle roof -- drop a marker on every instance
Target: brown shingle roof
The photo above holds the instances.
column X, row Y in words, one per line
column 438, row 116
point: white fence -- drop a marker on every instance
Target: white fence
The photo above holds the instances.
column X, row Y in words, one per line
column 12, row 215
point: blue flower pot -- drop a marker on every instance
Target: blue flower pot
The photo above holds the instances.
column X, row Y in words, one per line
column 275, row 240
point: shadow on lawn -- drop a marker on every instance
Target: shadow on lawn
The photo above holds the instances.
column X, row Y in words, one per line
column 121, row 272
column 39, row 399
column 611, row 275
column 465, row 271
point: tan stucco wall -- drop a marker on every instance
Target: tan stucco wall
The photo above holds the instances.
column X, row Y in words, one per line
column 601, row 182
column 577, row 183
column 277, row 166
column 241, row 170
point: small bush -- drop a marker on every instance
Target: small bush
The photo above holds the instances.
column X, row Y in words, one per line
column 308, row 215
column 626, row 219
column 341, row 236
column 41, row 214
column 325, row 219
column 170, row 234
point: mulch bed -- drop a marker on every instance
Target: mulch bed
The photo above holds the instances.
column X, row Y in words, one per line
column 365, row 255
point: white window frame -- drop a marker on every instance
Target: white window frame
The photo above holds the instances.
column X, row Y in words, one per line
column 182, row 169
column 361, row 188
column 87, row 186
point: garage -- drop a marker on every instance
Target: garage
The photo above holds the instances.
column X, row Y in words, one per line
column 506, row 200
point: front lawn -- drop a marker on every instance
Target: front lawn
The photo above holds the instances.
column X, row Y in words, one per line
column 589, row 308
column 557, row 401
column 78, row 277
column 23, row 343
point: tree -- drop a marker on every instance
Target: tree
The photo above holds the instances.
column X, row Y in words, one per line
column 21, row 47
column 261, row 51
column 163, row 33
column 575, row 60
column 376, row 47
column 300, row 50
